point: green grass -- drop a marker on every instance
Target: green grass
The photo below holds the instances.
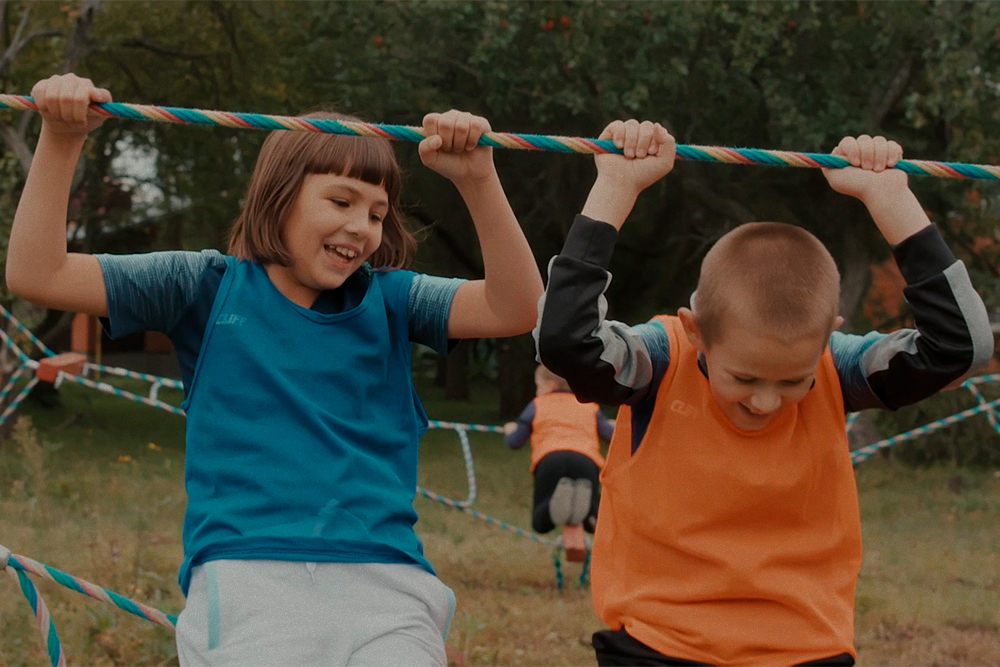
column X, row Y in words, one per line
column 91, row 496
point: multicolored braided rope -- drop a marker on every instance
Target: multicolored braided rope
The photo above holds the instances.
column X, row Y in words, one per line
column 536, row 142
column 43, row 619
column 17, row 566
column 859, row 455
column 465, row 506
column 493, row 521
column 558, row 567
column 25, row 564
column 35, row 340
column 121, row 393
column 470, row 469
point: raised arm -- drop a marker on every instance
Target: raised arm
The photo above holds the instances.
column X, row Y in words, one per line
column 504, row 303
column 604, row 361
column 39, row 268
column 883, row 190
column 952, row 337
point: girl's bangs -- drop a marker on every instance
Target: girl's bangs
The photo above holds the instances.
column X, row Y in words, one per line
column 368, row 160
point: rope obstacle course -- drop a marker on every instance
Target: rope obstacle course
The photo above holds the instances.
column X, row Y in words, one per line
column 58, row 368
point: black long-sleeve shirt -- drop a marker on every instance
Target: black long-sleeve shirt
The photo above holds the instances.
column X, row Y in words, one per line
column 612, row 363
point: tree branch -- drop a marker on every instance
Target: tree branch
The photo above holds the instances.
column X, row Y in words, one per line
column 18, row 42
column 713, row 200
column 139, row 43
column 77, row 48
column 447, row 239
column 893, row 92
column 15, row 142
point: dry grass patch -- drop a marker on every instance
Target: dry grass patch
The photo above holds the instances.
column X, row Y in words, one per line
column 87, row 494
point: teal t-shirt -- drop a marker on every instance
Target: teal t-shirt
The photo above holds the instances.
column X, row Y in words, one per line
column 302, row 426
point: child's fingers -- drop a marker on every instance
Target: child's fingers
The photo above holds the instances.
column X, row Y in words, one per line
column 102, row 95
column 67, row 103
column 631, row 137
column 644, row 143
column 895, row 154
column 40, row 93
column 460, row 123
column 866, row 147
column 881, row 153
column 664, row 140
column 430, row 124
column 428, row 148
column 479, row 127
column 446, row 130
column 616, row 132
column 78, row 100
column 848, row 149
column 657, row 139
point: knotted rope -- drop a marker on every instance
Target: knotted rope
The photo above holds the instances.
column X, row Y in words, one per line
column 536, row 142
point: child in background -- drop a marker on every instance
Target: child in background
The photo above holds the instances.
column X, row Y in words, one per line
column 565, row 453
column 302, row 420
column 730, row 531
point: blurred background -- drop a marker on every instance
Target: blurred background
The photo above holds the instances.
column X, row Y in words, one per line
column 776, row 75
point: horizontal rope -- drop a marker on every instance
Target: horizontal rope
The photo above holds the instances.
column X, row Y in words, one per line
column 536, row 142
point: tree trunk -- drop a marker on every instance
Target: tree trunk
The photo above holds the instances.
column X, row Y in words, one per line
column 855, row 281
column 515, row 374
column 457, row 379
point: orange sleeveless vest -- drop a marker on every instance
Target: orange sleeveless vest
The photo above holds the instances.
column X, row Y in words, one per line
column 563, row 423
column 724, row 546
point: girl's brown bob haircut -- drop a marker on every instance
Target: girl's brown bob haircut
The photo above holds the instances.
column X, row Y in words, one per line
column 284, row 161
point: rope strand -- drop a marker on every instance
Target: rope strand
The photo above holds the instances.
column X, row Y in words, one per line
column 537, row 142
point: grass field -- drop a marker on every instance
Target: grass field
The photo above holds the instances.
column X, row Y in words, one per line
column 96, row 490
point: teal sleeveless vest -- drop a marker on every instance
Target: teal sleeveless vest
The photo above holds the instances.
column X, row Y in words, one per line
column 302, row 429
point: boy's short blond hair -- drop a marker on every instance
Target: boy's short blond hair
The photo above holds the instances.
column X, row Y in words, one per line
column 543, row 374
column 769, row 274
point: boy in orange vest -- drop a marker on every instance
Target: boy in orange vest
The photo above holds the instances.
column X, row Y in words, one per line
column 730, row 532
column 566, row 456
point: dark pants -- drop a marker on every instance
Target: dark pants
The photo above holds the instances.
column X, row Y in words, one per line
column 617, row 648
column 550, row 469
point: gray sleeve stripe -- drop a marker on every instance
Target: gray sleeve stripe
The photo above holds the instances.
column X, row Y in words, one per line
column 626, row 352
column 877, row 357
column 623, row 349
column 974, row 312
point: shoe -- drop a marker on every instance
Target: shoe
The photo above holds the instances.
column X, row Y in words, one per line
column 561, row 502
column 582, row 489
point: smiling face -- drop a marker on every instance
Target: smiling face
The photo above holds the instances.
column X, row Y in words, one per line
column 754, row 376
column 333, row 226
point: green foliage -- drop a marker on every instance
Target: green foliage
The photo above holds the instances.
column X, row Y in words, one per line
column 794, row 74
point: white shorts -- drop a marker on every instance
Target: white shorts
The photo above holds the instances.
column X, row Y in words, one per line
column 264, row 612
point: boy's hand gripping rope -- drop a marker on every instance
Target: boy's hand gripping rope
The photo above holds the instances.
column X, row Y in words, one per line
column 536, row 142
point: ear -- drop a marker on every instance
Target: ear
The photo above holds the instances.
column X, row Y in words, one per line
column 837, row 322
column 690, row 323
